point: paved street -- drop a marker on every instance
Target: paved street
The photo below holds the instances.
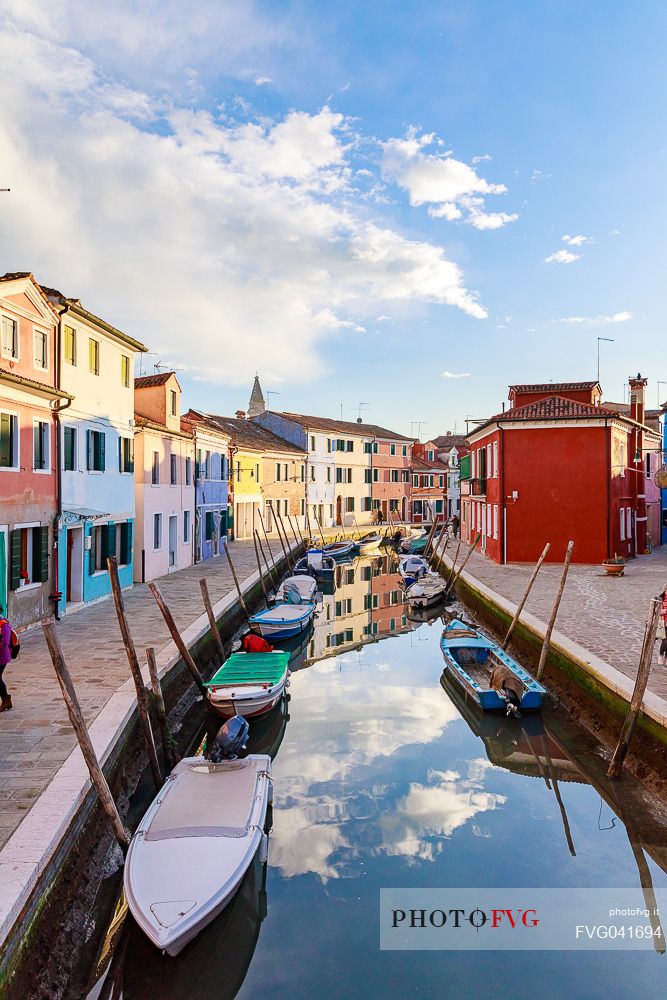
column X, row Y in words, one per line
column 603, row 614
column 35, row 737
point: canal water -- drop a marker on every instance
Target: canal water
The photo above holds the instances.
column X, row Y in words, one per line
column 385, row 778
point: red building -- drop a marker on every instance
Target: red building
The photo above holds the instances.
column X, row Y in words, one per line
column 559, row 465
column 29, row 454
column 428, row 493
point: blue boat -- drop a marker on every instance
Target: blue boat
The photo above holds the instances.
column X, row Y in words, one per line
column 282, row 621
column 470, row 657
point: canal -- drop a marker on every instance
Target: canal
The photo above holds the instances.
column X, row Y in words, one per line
column 384, row 778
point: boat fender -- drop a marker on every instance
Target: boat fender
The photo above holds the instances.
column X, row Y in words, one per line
column 264, row 849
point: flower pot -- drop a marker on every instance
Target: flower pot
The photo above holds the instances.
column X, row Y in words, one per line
column 614, row 568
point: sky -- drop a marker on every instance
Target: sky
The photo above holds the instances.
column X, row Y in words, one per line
column 384, row 209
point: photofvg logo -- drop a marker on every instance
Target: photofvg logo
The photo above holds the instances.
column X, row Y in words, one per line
column 521, row 919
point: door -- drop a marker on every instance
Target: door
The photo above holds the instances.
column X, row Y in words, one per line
column 339, row 509
column 3, row 569
column 70, row 546
column 173, row 541
column 74, row 582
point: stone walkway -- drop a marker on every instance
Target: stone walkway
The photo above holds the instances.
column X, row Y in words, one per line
column 36, row 737
column 605, row 615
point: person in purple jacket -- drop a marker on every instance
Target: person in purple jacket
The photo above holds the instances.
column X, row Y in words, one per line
column 5, row 658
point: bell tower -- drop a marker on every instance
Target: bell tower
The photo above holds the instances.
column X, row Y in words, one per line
column 256, row 405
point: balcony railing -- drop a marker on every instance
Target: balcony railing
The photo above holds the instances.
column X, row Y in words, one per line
column 478, row 487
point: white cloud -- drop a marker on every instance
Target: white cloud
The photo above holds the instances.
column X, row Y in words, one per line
column 261, row 81
column 562, row 257
column 456, row 374
column 619, row 317
column 481, row 159
column 576, row 241
column 452, row 189
column 538, row 175
column 213, row 240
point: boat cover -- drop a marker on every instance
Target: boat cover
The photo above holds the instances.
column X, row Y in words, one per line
column 288, row 613
column 251, row 668
column 207, row 800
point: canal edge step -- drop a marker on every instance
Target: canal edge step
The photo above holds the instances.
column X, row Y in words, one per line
column 602, row 676
column 27, row 857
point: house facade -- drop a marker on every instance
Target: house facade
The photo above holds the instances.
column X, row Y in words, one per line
column 164, row 479
column 558, row 467
column 96, row 448
column 391, row 457
column 211, row 485
column 29, row 486
column 428, row 493
column 451, row 449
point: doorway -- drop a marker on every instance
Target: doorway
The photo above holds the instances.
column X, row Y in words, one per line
column 74, row 585
column 173, row 541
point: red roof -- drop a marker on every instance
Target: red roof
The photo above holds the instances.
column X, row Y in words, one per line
column 147, row 381
column 550, row 408
column 555, row 387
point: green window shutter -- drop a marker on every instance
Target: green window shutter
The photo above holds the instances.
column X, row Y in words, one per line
column 102, row 440
column 125, row 555
column 15, row 559
column 40, row 555
column 90, row 443
column 120, row 454
column 108, row 541
column 5, row 440
column 130, row 448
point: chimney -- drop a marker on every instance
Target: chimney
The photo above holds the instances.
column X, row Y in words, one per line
column 637, row 397
column 240, row 414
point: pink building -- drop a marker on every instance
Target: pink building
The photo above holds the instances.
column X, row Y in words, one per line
column 163, row 479
column 391, row 457
column 29, row 404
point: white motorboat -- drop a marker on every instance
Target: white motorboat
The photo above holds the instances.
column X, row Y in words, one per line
column 194, row 845
column 413, row 567
column 300, row 589
column 317, row 564
column 282, row 621
column 426, row 591
column 369, row 544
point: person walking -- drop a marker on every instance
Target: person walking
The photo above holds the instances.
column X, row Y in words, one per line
column 5, row 658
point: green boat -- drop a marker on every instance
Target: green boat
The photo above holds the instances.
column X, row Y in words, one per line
column 249, row 684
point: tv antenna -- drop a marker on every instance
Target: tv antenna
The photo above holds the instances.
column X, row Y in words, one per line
column 269, row 393
column 361, row 407
column 418, row 425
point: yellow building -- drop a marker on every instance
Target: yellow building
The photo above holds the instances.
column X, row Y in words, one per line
column 267, row 476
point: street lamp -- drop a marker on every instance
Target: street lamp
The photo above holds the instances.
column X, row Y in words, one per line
column 609, row 340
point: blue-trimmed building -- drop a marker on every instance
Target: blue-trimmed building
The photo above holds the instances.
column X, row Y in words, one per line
column 211, row 446
column 95, row 453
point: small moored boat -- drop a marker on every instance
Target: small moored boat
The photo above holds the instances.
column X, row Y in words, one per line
column 282, row 621
column 340, row 550
column 413, row 568
column 297, row 589
column 195, row 844
column 426, row 592
column 316, row 563
column 414, row 546
column 471, row 658
column 369, row 544
column 249, row 684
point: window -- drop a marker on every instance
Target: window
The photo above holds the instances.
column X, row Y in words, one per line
column 349, row 475
column 9, row 441
column 430, row 454
column 303, row 473
column 392, row 449
column 495, row 459
column 208, row 525
column 394, row 476
column 279, row 473
column 69, row 449
column 488, row 519
column 172, row 402
column 366, row 504
column 124, row 543
column 628, row 523
column 303, row 508
column 312, row 473
column 331, row 511
column 622, row 523
column 368, row 448
column 41, row 350
column 376, row 475
column 415, row 481
column 331, row 445
column 188, row 471
column 29, row 556
column 442, row 481
column 392, row 624
column 375, row 447
column 155, row 469
column 349, row 505
column 10, row 338
column 431, row 481
column 257, row 472
column 328, row 473
column 103, row 546
column 349, row 578
column 404, row 451
column 70, row 345
column 186, row 526
column 367, row 475
column 405, row 475
column 157, row 531
column 438, row 506
column 41, row 446
column 94, row 356
column 173, row 469
column 648, row 465
column 349, row 445
column 394, row 597
column 125, row 370
column 126, row 454
column 417, row 508
column 312, row 442
column 339, row 475
column 495, row 520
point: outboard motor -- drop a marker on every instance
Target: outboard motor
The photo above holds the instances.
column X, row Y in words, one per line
column 230, row 741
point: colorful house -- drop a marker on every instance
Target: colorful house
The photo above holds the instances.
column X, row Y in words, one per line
column 30, row 404
column 391, row 457
column 559, row 465
column 451, row 449
column 267, row 476
column 428, row 495
column 163, row 479
column 663, row 490
column 211, row 484
column 96, row 449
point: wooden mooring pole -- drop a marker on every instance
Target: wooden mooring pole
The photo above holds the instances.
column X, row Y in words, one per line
column 523, row 600
column 552, row 621
column 453, row 567
column 639, row 689
column 463, row 564
column 236, row 582
column 429, row 540
column 273, row 583
column 259, row 568
column 266, row 539
column 317, row 522
column 168, row 742
column 135, row 670
column 76, row 719
column 178, row 639
column 215, row 631
column 280, row 524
